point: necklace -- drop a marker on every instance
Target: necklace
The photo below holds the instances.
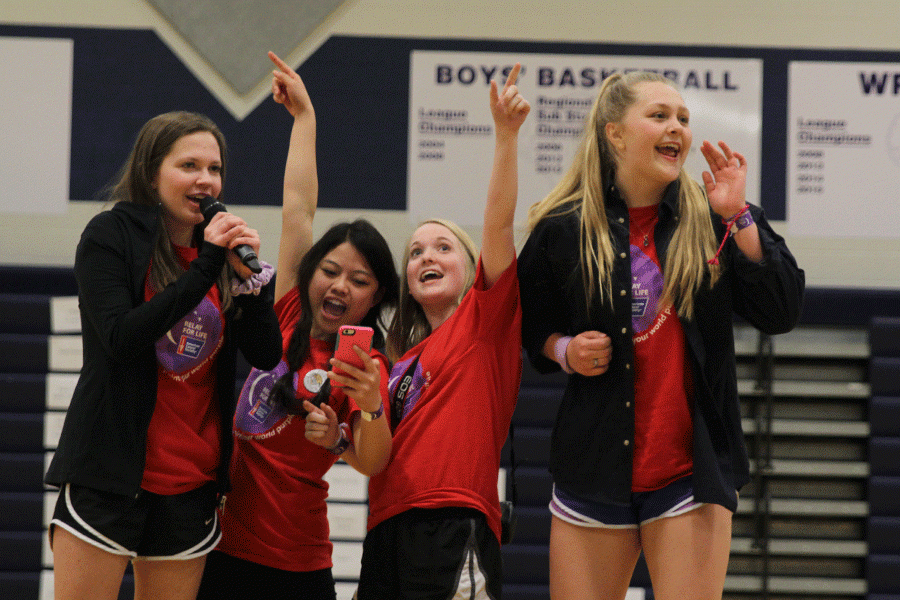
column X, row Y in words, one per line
column 646, row 233
column 647, row 217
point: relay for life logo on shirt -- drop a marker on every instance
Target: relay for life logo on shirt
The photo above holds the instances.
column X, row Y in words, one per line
column 192, row 340
column 255, row 413
column 646, row 289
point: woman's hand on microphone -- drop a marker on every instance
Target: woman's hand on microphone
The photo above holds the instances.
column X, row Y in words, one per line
column 228, row 230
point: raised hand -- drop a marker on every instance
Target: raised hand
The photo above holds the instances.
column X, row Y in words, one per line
column 288, row 89
column 509, row 108
column 726, row 179
column 301, row 184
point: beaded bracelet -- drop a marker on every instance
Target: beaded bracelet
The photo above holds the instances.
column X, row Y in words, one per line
column 728, row 223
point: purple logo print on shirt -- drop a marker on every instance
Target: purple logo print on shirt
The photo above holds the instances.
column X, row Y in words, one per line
column 255, row 414
column 646, row 289
column 418, row 383
column 192, row 340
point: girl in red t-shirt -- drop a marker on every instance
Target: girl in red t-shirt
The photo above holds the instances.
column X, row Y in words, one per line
column 292, row 423
column 457, row 338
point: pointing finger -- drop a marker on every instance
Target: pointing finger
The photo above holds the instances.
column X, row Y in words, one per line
column 513, row 76
column 280, row 63
column 329, row 412
column 310, row 407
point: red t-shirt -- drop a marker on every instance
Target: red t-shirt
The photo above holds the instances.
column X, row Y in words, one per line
column 446, row 448
column 275, row 513
column 183, row 439
column 663, row 435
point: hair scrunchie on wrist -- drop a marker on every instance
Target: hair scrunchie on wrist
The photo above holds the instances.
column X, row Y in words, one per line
column 255, row 283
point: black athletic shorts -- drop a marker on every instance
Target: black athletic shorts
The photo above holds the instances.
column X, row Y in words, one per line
column 431, row 554
column 146, row 526
column 229, row 578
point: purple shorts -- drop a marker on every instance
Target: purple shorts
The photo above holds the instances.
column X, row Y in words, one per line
column 674, row 499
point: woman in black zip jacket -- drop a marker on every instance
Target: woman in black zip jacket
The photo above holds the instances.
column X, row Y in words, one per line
column 165, row 305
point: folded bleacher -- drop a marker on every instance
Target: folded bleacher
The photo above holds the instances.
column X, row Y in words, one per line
column 883, row 531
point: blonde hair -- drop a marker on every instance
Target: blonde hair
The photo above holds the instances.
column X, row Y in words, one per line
column 582, row 189
column 409, row 326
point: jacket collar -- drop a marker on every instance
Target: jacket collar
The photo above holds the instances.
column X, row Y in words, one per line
column 669, row 202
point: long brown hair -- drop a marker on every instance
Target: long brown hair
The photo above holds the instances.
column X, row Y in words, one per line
column 135, row 184
column 582, row 189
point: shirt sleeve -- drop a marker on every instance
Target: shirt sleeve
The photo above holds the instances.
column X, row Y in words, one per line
column 498, row 306
column 257, row 329
column 769, row 294
column 105, row 272
column 543, row 303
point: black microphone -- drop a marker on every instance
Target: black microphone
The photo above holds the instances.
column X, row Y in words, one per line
column 209, row 206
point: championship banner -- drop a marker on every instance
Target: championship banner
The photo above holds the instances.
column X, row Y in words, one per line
column 35, row 118
column 451, row 130
column 843, row 149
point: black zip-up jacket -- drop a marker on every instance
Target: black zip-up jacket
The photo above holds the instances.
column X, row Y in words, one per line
column 103, row 440
column 593, row 437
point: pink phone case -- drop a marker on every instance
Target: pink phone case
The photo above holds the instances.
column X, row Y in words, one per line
column 349, row 336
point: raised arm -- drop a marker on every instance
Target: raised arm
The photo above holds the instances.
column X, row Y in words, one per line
column 301, row 184
column 509, row 110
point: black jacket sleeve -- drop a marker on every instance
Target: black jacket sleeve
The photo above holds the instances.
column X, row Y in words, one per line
column 113, row 304
column 257, row 331
column 543, row 297
column 769, row 294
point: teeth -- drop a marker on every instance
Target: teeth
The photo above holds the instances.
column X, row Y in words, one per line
column 429, row 275
column 670, row 148
column 334, row 307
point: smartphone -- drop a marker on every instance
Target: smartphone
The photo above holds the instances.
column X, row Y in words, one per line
column 349, row 336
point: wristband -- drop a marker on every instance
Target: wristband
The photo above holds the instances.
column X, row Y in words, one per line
column 343, row 440
column 559, row 349
column 742, row 216
column 371, row 416
column 744, row 221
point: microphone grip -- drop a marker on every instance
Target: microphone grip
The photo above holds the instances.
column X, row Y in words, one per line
column 209, row 206
column 248, row 257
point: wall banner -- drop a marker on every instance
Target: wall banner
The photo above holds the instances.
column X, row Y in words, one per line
column 451, row 131
column 843, row 149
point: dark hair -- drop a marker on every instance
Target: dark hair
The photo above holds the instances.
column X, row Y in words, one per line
column 363, row 236
column 135, row 183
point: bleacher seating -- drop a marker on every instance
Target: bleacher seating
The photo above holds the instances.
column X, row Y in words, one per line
column 833, row 485
column 883, row 531
column 38, row 314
